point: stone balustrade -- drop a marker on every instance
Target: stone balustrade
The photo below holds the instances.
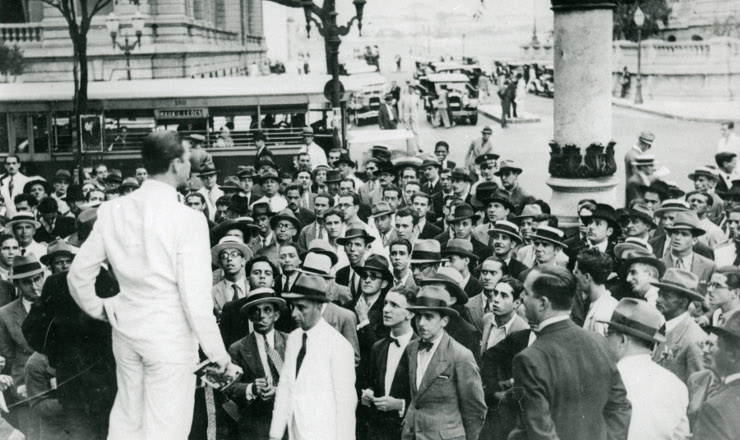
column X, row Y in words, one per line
column 21, row 34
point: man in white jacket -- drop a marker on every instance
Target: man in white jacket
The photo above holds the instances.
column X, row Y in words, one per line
column 159, row 251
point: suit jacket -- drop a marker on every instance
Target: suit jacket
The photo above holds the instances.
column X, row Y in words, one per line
column 342, row 278
column 519, row 197
column 430, row 231
column 449, row 403
column 518, row 325
column 222, row 293
column 473, row 287
column 385, row 122
column 13, row 345
column 553, row 371
column 680, row 353
column 475, row 306
column 658, row 245
column 260, row 154
column 255, row 415
column 63, row 228
column 308, row 233
column 633, row 189
column 718, row 417
column 46, row 406
column 305, row 216
column 515, row 267
column 365, row 193
column 431, row 190
column 463, row 332
column 702, row 267
column 369, row 334
column 573, row 253
column 345, row 322
column 231, row 325
column 320, row 401
column 385, row 425
column 7, row 292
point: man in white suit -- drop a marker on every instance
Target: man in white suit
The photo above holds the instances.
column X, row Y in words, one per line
column 159, row 250
column 316, row 396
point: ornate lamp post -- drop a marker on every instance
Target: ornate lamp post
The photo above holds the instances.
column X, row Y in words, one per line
column 113, row 24
column 328, row 28
column 639, row 18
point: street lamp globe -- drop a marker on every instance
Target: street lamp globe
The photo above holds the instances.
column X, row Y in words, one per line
column 138, row 23
column 639, row 17
column 112, row 23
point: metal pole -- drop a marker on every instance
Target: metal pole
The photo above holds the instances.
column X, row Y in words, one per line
column 638, row 85
column 127, row 55
column 334, row 42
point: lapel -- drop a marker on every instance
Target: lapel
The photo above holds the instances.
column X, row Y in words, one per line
column 375, row 314
column 280, row 343
column 698, row 266
column 674, row 338
column 252, row 356
column 19, row 312
column 382, row 365
column 413, row 352
column 476, row 308
column 437, row 365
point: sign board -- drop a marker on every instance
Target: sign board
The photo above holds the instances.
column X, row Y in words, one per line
column 181, row 113
column 328, row 88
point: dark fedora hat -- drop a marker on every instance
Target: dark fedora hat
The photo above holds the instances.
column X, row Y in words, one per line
column 269, row 175
column 462, row 212
column 333, row 176
column 430, row 163
column 632, row 256
column 355, row 231
column 47, row 188
column 435, row 299
column 344, row 158
column 62, row 175
column 246, row 171
column 307, row 286
column 483, row 191
column 508, row 165
column 286, row 214
column 461, row 248
column 659, row 187
column 453, row 282
column 207, row 170
column 680, row 281
column 114, row 176
column 637, row 318
column 57, row 248
column 239, row 205
column 244, row 224
column 232, row 183
column 499, row 196
column 259, row 136
column 730, row 329
column 604, row 212
column 262, row 295
column 376, row 263
column 25, row 266
column 461, row 174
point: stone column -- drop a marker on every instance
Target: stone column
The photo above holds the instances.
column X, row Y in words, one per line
column 583, row 114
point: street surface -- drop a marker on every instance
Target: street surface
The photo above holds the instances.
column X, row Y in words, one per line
column 679, row 145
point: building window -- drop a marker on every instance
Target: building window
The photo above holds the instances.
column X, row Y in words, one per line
column 696, row 38
column 671, row 39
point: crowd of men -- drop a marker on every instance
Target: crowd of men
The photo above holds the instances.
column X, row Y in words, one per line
column 416, row 299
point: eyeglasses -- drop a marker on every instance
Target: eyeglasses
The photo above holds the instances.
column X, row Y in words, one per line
column 716, row 286
column 283, row 226
column 422, row 266
column 370, row 276
column 227, row 255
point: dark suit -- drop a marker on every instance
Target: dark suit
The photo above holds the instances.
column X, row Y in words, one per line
column 305, row 216
column 385, row 425
column 553, row 373
column 573, row 254
column 449, row 403
column 479, row 249
column 231, row 324
column 464, row 332
column 63, row 228
column 658, row 245
column 385, row 122
column 255, row 415
column 7, row 292
column 342, row 278
column 437, row 203
column 430, row 231
column 515, row 267
column 260, row 154
column 473, row 287
column 718, row 417
column 13, row 345
column 369, row 334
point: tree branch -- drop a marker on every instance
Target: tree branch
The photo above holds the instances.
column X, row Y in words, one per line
column 100, row 4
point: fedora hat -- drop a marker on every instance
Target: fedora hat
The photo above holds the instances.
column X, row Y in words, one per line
column 672, row 205
column 604, row 212
column 244, row 224
column 659, row 187
column 680, row 281
column 317, row 263
column 732, row 194
column 228, row 242
column 508, row 165
column 377, row 263
column 57, row 247
column 508, row 228
column 426, row 251
column 381, row 208
column 261, row 295
column 430, row 163
column 25, row 266
column 483, row 191
column 550, row 234
column 453, row 282
column 320, row 246
column 461, row 174
column 631, row 244
column 344, row 158
column 643, row 160
column 355, row 231
column 407, row 162
column 239, row 205
column 245, row 171
column 486, row 157
column 130, row 182
column 500, row 196
column 308, row 286
column 20, row 218
column 266, row 162
column 730, row 329
column 704, row 172
column 333, row 176
column 461, row 248
column 647, row 137
column 642, row 212
column 635, row 256
column 380, row 152
column 435, row 299
column 307, row 131
column 462, row 212
column 83, row 224
column 231, row 182
column 674, row 192
column 37, row 181
column 687, row 220
column 62, row 175
column 386, row 167
column 261, row 208
column 269, row 175
column 207, row 170
column 114, row 176
column 285, row 214
column 637, row 318
column 530, row 211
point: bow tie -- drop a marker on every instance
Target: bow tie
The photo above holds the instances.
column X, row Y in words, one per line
column 425, row 346
column 395, row 341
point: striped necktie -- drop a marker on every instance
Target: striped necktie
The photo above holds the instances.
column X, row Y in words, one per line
column 274, row 361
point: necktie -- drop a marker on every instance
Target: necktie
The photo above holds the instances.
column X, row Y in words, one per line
column 720, row 319
column 10, row 186
column 395, row 341
column 286, row 287
column 23, row 251
column 352, row 288
column 425, row 346
column 679, row 263
column 235, row 288
column 488, row 308
column 274, row 361
column 301, row 355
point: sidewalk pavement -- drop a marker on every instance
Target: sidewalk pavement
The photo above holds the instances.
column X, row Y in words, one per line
column 689, row 111
column 493, row 111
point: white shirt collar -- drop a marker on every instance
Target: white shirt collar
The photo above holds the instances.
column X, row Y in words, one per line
column 732, row 378
column 508, row 325
column 403, row 339
column 552, row 320
column 26, row 304
column 602, row 246
column 672, row 323
column 270, row 336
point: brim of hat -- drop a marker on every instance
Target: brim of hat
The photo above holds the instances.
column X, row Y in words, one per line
column 334, row 258
column 230, row 187
column 74, row 240
column 475, row 217
column 321, row 299
column 694, row 175
column 442, row 310
column 131, row 185
column 208, row 173
column 26, row 274
column 651, row 261
column 679, row 289
column 427, row 261
column 719, row 331
column 649, row 188
column 274, row 300
column 623, row 247
column 275, row 178
column 455, row 290
column 344, row 240
column 46, row 259
column 333, row 180
column 460, row 253
column 10, row 224
column 380, row 214
column 514, row 169
column 350, row 162
column 649, row 221
column 326, row 276
column 660, row 211
column 548, row 239
column 277, row 217
column 509, row 233
column 630, row 331
column 228, row 245
column 696, row 232
column 386, row 273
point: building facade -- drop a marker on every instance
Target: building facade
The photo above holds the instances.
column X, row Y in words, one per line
column 700, row 20
column 181, row 39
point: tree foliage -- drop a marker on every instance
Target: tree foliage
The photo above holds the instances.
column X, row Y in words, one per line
column 656, row 14
column 12, row 63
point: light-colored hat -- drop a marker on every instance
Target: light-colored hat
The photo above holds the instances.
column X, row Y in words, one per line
column 25, row 266
column 452, row 280
column 637, row 318
column 315, row 263
column 228, row 242
column 672, row 205
column 261, row 295
column 21, row 218
column 426, row 251
column 321, row 246
column 643, row 160
column 307, row 286
column 687, row 220
column 550, row 234
column 506, row 227
column 680, row 281
column 57, row 247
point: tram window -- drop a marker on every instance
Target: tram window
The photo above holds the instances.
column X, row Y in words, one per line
column 62, row 132
column 40, row 133
column 20, row 127
column 4, row 133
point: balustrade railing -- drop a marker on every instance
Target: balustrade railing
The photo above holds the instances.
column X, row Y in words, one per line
column 21, row 33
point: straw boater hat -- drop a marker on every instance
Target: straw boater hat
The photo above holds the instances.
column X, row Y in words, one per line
column 672, row 205
column 262, row 295
column 550, row 234
column 425, row 252
column 307, row 286
column 704, row 172
column 687, row 221
column 680, row 281
column 285, row 214
column 508, row 228
column 453, row 282
column 321, row 246
column 20, row 218
column 377, row 263
column 315, row 263
column 25, row 266
column 643, row 160
column 355, row 231
column 433, row 298
column 228, row 242
column 461, row 248
column 57, row 248
column 637, row 318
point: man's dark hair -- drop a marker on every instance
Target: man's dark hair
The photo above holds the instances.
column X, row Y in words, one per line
column 543, row 205
column 5, row 237
column 355, row 198
column 198, row 195
column 260, row 259
column 721, row 158
column 327, row 196
column 421, row 194
column 500, row 261
column 407, row 292
column 445, row 171
column 350, row 180
column 400, row 242
column 294, row 187
column 405, row 212
column 595, row 263
column 392, row 187
column 551, row 220
column 159, row 149
column 139, row 165
column 12, row 156
column 732, row 273
column 707, row 197
column 333, row 211
column 516, row 286
column 304, row 170
column 729, row 124
column 555, row 283
column 443, row 144
column 98, row 165
column 48, row 205
column 23, row 197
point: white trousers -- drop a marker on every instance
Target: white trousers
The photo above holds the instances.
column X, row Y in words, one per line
column 155, row 399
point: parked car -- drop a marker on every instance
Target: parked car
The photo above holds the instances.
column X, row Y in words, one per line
column 462, row 96
column 364, row 105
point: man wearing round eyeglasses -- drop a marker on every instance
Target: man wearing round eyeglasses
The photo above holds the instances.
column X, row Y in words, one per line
column 285, row 225
column 425, row 260
column 723, row 291
column 230, row 254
